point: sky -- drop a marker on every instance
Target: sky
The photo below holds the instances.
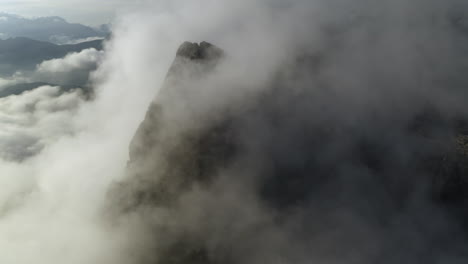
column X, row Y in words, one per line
column 87, row 12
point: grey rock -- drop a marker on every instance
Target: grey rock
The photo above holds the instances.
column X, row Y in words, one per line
column 202, row 51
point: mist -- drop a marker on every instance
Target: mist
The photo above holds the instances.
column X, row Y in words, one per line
column 317, row 137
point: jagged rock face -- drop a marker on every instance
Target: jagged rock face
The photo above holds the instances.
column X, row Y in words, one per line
column 163, row 139
column 203, row 51
column 167, row 137
column 263, row 182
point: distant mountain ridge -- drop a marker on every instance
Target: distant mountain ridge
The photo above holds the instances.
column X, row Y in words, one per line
column 51, row 29
column 23, row 54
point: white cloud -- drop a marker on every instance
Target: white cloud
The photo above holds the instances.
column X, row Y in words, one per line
column 77, row 60
column 73, row 69
column 9, row 81
column 35, row 119
column 65, row 40
column 50, row 204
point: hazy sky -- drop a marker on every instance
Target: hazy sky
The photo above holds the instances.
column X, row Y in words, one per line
column 90, row 12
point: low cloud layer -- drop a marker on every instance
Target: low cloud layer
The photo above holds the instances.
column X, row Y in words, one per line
column 49, row 213
column 35, row 119
column 33, row 114
column 75, row 68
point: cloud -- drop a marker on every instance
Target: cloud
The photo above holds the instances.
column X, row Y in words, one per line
column 7, row 82
column 74, row 68
column 369, row 69
column 72, row 71
column 35, row 119
column 65, row 40
column 91, row 137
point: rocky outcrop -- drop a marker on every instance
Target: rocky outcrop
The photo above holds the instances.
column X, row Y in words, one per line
column 169, row 154
column 164, row 139
column 204, row 51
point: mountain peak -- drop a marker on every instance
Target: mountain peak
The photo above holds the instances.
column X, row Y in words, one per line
column 202, row 51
